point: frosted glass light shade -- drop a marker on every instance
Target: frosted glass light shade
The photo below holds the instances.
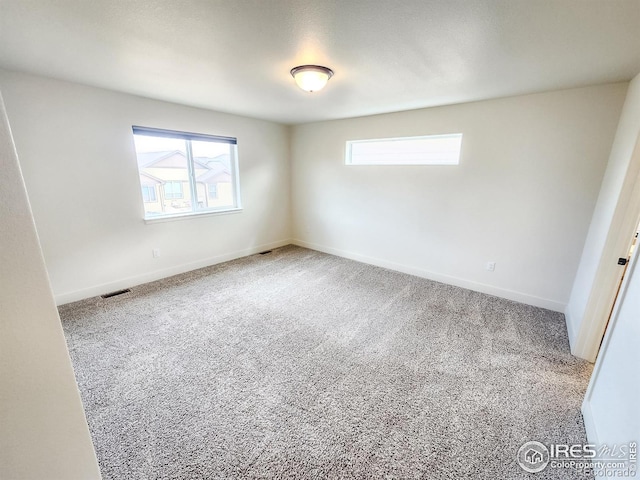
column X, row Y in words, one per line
column 311, row 78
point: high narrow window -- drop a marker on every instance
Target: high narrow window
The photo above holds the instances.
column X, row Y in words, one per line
column 186, row 173
column 426, row 150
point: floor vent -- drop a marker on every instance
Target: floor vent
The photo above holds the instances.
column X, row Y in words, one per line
column 265, row 252
column 117, row 292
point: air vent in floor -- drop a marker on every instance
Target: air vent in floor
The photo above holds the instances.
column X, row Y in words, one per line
column 117, row 292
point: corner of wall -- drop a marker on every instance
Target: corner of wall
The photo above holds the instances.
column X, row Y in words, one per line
column 289, row 129
column 44, row 430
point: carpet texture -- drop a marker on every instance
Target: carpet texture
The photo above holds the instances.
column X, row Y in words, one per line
column 298, row 364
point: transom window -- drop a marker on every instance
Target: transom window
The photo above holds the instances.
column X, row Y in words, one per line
column 425, row 150
column 186, row 173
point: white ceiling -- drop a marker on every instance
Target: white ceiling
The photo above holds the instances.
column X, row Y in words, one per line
column 388, row 55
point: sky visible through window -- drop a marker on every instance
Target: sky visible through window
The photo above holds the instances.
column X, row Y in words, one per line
column 426, row 150
column 146, row 144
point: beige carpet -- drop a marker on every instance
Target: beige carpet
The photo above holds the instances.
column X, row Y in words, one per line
column 298, row 364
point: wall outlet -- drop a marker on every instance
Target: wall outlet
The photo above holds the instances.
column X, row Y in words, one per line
column 155, row 252
column 491, row 266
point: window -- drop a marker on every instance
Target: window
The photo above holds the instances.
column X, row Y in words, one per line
column 186, row 173
column 173, row 190
column 148, row 193
column 426, row 150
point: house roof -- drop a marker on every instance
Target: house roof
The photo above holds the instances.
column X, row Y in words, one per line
column 217, row 171
column 167, row 159
column 147, row 179
column 209, row 169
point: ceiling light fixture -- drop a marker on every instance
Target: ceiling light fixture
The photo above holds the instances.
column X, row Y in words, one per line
column 311, row 78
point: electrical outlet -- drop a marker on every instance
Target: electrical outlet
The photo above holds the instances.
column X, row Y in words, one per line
column 155, row 252
column 491, row 266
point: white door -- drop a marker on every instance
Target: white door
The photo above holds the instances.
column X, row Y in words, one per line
column 611, row 407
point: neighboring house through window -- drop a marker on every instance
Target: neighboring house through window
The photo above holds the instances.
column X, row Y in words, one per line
column 186, row 173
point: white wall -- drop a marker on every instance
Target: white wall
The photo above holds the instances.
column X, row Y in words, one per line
column 595, row 281
column 522, row 196
column 610, row 408
column 44, row 431
column 77, row 154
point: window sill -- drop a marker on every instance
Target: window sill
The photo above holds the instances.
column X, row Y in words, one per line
column 184, row 216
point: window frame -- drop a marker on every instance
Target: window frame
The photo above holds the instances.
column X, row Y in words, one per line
column 348, row 158
column 192, row 181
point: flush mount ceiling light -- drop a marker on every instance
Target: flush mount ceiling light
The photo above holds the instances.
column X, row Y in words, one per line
column 311, row 78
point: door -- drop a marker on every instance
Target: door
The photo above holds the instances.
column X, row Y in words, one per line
column 625, row 262
column 610, row 408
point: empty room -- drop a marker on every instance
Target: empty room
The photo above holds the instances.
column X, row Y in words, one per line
column 319, row 239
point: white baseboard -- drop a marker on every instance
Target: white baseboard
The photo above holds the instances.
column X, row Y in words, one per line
column 128, row 282
column 570, row 331
column 438, row 277
column 589, row 424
